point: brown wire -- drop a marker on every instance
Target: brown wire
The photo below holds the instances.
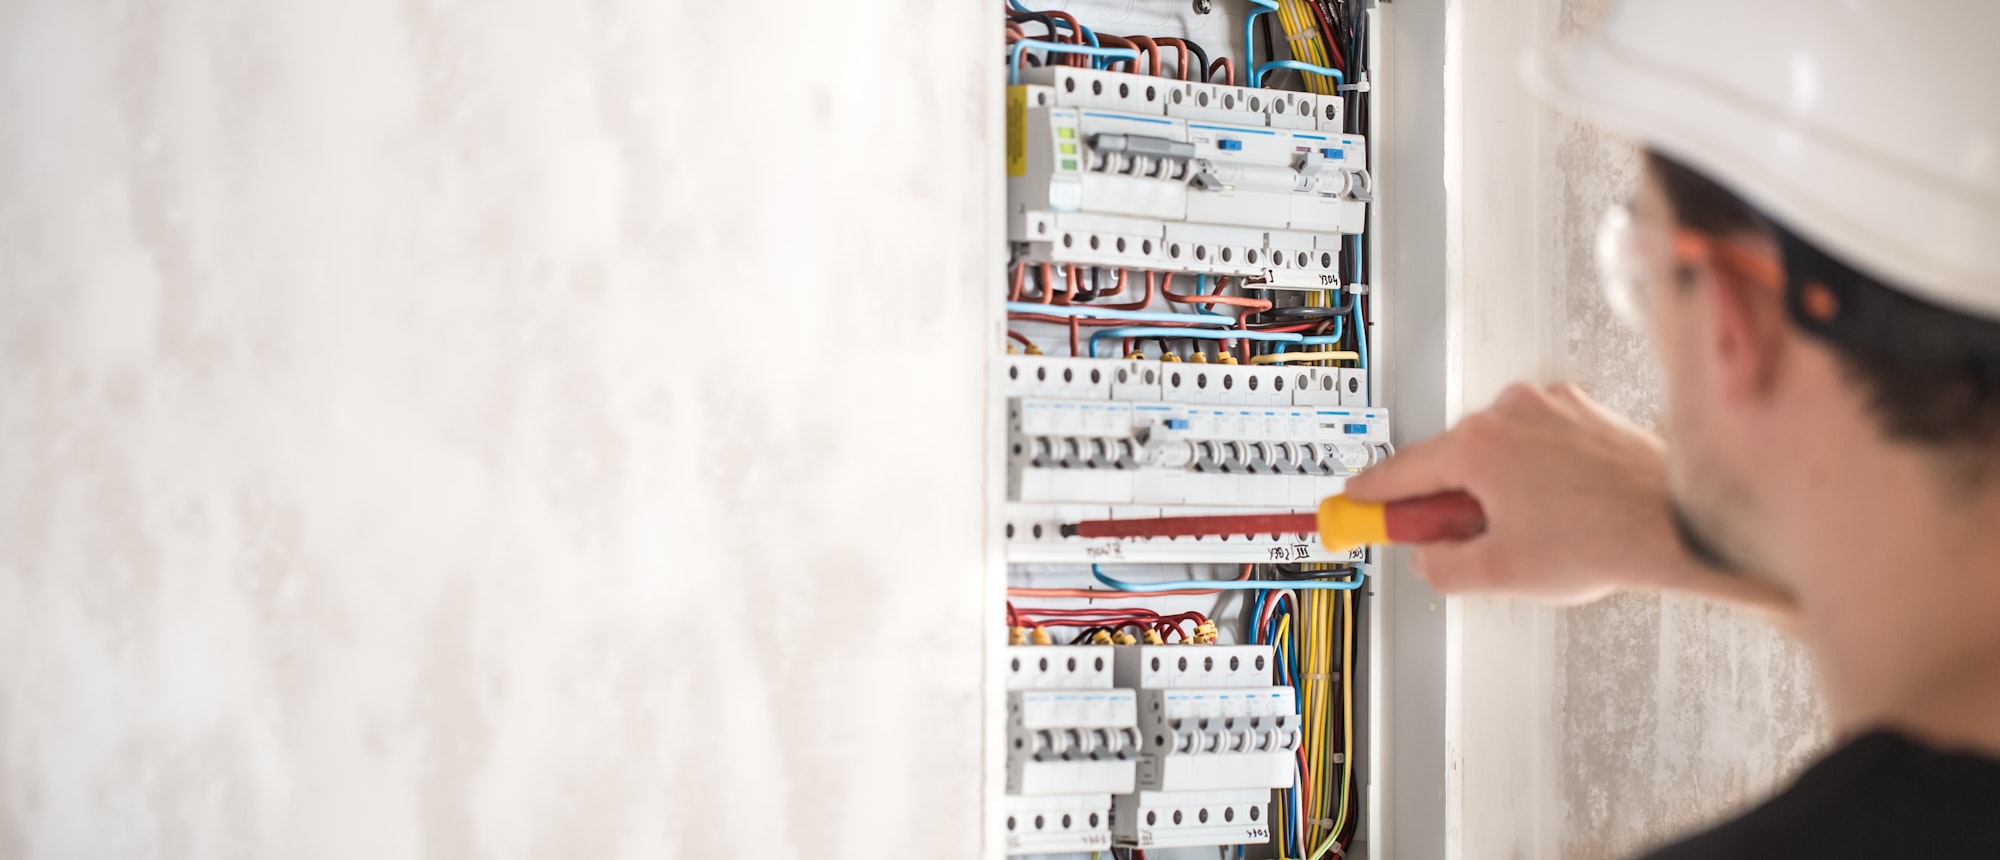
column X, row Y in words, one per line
column 1152, row 49
column 1142, row 302
column 1075, row 35
column 1182, row 57
column 1117, row 289
column 1228, row 68
column 1120, row 42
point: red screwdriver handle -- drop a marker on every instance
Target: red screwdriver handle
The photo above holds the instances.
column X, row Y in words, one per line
column 1443, row 517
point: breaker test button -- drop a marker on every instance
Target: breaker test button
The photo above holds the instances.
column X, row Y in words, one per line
column 1334, row 153
column 1229, row 144
column 1357, row 429
column 1177, row 424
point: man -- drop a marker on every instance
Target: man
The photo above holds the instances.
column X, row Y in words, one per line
column 1815, row 247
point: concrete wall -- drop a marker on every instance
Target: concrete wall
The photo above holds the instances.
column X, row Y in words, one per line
column 1673, row 711
column 522, row 429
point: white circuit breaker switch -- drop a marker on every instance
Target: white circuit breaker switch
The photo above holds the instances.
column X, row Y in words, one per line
column 1162, row 819
column 1055, row 824
column 1060, row 667
column 1165, row 667
column 1203, row 740
column 1071, row 741
column 1072, row 86
column 1353, row 385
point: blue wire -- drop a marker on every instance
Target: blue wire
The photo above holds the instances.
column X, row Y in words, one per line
column 1234, row 334
column 1360, row 329
column 1110, row 314
column 1250, row 38
column 1339, row 327
column 1201, row 289
column 1257, row 76
column 1227, row 584
column 1014, row 55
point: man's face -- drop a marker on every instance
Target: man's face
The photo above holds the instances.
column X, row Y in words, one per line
column 1709, row 468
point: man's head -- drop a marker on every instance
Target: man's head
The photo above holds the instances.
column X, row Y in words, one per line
column 1784, row 363
column 1827, row 275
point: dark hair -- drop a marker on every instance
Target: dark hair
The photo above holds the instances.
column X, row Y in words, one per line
column 1932, row 375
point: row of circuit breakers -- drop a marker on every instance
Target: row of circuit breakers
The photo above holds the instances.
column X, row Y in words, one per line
column 1120, row 170
column 1098, row 439
column 1150, row 746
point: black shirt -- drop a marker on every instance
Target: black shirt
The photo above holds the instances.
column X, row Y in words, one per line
column 1883, row 795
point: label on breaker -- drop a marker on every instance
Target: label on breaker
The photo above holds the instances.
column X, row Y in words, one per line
column 1017, row 131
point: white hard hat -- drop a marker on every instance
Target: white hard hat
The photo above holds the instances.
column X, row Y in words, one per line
column 1870, row 128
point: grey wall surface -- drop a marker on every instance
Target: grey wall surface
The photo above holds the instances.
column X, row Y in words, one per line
column 1672, row 712
column 523, row 429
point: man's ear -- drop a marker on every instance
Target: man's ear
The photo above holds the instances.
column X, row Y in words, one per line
column 1748, row 332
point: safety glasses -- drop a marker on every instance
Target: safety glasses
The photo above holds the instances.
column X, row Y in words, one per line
column 1630, row 251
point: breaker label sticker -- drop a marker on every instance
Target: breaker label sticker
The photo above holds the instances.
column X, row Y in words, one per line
column 1017, row 131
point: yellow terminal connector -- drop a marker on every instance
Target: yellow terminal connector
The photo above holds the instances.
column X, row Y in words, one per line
column 1034, row 350
column 1137, row 355
column 1205, row 633
column 1124, row 638
column 1017, row 635
column 1171, row 357
column 1153, row 637
column 1198, row 357
column 1041, row 637
column 1227, row 357
column 1101, row 637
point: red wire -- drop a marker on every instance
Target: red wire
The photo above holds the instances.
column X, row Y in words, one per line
column 1141, row 303
column 1216, row 298
column 1020, row 337
column 1030, row 316
column 1020, row 281
column 1326, row 33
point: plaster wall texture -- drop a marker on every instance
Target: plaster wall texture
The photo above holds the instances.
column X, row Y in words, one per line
column 1672, row 712
column 517, row 429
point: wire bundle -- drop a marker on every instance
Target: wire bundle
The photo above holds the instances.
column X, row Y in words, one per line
column 1111, row 621
column 1313, row 636
column 1258, row 332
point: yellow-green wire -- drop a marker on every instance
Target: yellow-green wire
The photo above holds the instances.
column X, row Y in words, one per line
column 1347, row 726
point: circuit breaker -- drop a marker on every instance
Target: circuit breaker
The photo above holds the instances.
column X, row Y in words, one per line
column 1196, row 178
column 1072, row 743
column 1189, row 323
column 1094, row 439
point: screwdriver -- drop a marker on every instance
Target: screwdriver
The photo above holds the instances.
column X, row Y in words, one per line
column 1341, row 523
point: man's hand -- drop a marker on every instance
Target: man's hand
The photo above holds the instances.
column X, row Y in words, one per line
column 1575, row 498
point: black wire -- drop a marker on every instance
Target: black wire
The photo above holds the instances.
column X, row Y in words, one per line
column 1044, row 20
column 1270, row 44
column 1200, row 58
column 1087, row 295
column 1298, row 572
